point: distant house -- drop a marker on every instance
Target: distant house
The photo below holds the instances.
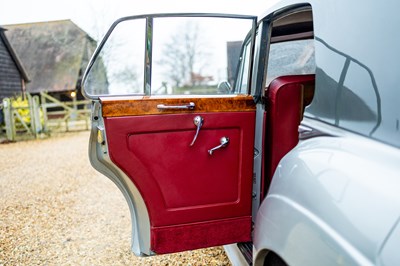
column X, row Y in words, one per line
column 12, row 74
column 55, row 54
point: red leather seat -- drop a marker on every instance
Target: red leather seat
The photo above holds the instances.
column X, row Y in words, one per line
column 284, row 112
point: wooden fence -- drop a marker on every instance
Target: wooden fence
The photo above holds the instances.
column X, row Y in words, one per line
column 44, row 117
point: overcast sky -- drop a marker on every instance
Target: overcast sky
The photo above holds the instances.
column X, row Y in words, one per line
column 95, row 16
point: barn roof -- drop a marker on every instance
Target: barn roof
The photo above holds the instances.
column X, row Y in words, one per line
column 13, row 55
column 54, row 53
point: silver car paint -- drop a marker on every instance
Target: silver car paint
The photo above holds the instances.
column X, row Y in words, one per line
column 335, row 200
column 326, row 198
column 100, row 160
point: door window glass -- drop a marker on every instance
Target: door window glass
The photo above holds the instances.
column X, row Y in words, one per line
column 290, row 58
column 169, row 55
column 196, row 55
column 119, row 68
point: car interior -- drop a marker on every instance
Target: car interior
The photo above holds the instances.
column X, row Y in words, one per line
column 285, row 98
column 288, row 94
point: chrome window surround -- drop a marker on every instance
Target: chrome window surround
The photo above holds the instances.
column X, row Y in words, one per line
column 149, row 44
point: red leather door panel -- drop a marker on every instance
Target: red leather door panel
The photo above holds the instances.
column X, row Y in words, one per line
column 194, row 199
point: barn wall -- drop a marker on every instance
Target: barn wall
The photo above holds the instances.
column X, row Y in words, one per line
column 10, row 78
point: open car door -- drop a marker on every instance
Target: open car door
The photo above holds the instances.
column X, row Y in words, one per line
column 178, row 145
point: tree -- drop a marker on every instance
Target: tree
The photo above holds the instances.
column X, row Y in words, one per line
column 122, row 76
column 183, row 57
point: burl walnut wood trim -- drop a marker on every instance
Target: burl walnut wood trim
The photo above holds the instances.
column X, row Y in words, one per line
column 147, row 105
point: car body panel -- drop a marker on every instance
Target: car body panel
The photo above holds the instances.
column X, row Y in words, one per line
column 388, row 254
column 326, row 196
column 334, row 198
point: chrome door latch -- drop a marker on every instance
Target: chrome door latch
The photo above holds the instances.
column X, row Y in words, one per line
column 198, row 122
column 189, row 106
column 224, row 142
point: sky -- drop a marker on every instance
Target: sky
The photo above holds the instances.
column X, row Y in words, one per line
column 95, row 16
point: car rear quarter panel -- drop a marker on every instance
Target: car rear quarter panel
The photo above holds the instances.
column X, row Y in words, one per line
column 332, row 199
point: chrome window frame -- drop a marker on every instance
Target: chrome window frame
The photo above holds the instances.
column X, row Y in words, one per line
column 149, row 46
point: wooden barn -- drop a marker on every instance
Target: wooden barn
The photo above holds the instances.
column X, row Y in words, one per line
column 13, row 76
column 55, row 54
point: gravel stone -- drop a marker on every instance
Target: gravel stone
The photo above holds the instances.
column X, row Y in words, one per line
column 55, row 209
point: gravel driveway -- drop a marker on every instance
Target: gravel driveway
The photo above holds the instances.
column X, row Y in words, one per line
column 56, row 210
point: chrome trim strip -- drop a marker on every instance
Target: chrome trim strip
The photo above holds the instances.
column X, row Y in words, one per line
column 148, row 56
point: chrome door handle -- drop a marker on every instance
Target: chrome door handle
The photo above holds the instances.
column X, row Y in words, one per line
column 189, row 106
column 198, row 122
column 224, row 142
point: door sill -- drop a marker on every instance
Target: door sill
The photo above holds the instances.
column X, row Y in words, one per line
column 239, row 255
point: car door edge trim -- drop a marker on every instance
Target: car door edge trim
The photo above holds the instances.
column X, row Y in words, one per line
column 100, row 160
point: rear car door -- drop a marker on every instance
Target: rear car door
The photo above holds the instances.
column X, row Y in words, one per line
column 172, row 129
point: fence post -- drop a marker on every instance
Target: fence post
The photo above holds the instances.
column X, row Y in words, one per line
column 36, row 113
column 31, row 114
column 9, row 119
column 44, row 110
